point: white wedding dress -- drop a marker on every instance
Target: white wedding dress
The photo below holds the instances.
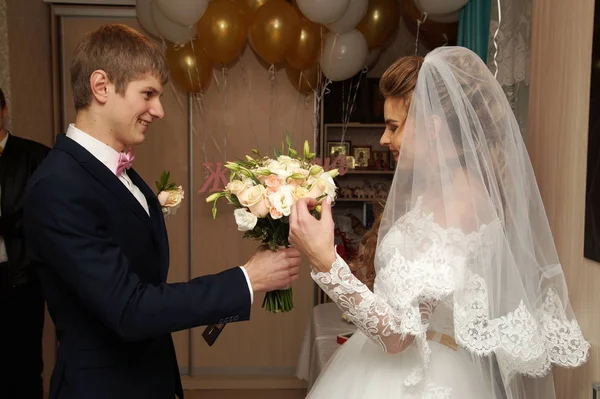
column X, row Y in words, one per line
column 419, row 268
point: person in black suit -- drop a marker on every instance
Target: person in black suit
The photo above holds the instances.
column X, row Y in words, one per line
column 21, row 300
column 98, row 237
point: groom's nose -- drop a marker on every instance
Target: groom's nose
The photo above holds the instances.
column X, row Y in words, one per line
column 156, row 110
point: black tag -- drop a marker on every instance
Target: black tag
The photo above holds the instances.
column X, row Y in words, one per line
column 211, row 333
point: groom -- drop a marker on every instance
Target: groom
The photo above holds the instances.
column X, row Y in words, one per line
column 97, row 237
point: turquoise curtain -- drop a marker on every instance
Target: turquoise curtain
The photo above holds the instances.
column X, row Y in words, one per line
column 474, row 27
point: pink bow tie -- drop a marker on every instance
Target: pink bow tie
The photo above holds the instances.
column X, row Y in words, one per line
column 125, row 161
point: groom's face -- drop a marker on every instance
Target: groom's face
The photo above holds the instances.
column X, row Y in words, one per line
column 133, row 112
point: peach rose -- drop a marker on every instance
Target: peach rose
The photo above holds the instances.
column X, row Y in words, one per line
column 261, row 208
column 251, row 196
column 235, row 187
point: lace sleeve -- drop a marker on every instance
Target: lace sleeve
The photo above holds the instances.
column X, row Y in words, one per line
column 391, row 330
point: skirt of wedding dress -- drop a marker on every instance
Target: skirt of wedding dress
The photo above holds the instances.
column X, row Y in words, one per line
column 359, row 369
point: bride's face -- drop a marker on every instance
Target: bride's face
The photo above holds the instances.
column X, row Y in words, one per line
column 399, row 132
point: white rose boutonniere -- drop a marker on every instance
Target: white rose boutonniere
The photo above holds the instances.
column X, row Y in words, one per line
column 170, row 194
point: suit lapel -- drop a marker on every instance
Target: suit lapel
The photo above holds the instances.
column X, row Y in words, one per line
column 158, row 221
column 101, row 173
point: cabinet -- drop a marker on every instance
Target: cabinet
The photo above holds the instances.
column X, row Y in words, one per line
column 366, row 173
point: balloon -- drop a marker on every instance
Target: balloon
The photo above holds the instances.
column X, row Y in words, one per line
column 307, row 47
column 373, row 57
column 190, row 69
column 182, row 12
column 308, row 82
column 323, row 11
column 170, row 30
column 380, row 22
column 353, row 15
column 433, row 34
column 440, row 7
column 222, row 31
column 274, row 31
column 344, row 55
column 248, row 7
column 142, row 11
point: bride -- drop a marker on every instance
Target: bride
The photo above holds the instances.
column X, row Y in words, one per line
column 469, row 298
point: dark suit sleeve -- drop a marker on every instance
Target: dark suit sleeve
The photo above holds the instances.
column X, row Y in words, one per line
column 66, row 232
column 11, row 224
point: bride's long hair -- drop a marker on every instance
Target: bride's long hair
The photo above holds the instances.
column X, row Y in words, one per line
column 397, row 82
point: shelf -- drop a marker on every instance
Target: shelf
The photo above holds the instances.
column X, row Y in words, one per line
column 352, row 125
column 368, row 172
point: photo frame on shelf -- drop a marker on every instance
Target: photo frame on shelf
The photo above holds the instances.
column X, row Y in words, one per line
column 362, row 156
column 381, row 160
column 338, row 148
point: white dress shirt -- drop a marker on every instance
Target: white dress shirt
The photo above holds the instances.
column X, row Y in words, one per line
column 110, row 158
column 3, row 255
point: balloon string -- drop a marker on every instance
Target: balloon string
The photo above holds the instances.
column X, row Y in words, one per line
column 297, row 101
column 224, row 73
column 495, row 39
column 351, row 105
column 248, row 102
column 196, row 67
column 419, row 22
column 272, row 90
column 200, row 105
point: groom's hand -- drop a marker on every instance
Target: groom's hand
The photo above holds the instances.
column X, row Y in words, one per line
column 272, row 270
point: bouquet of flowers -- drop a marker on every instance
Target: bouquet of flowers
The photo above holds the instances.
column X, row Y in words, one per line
column 263, row 190
column 169, row 194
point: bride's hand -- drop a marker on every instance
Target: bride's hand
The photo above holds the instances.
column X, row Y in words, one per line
column 312, row 237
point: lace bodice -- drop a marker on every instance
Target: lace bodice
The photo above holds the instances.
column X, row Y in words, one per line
column 424, row 281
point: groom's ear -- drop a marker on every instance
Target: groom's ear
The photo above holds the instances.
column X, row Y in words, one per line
column 99, row 84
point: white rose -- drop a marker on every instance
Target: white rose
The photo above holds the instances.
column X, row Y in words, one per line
column 282, row 200
column 288, row 163
column 244, row 219
column 279, row 169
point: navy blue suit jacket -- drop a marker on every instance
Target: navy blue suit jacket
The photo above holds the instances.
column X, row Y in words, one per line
column 103, row 263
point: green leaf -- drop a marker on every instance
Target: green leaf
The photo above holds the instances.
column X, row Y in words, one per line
column 277, row 153
column 214, row 212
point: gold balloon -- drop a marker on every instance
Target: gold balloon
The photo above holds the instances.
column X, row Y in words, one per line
column 222, row 31
column 380, row 22
column 274, row 31
column 308, row 82
column 308, row 45
column 190, row 69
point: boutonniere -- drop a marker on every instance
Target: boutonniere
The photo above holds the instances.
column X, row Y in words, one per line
column 170, row 194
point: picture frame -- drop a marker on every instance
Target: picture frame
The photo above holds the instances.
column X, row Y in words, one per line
column 381, row 160
column 362, row 155
column 392, row 161
column 337, row 148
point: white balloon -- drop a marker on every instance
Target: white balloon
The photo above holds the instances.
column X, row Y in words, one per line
column 182, row 12
column 355, row 12
column 445, row 18
column 440, row 7
column 323, row 11
column 142, row 11
column 344, row 55
column 170, row 30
